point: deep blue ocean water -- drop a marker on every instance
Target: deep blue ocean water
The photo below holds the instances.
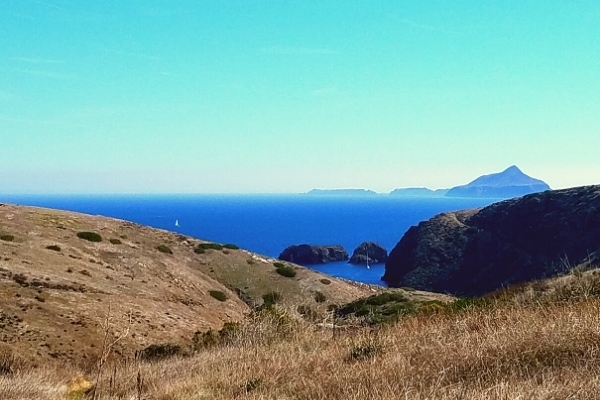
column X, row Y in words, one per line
column 267, row 224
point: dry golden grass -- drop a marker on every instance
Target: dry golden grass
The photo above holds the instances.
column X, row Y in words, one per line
column 502, row 351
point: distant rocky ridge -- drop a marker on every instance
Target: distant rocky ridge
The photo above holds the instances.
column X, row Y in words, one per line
column 369, row 251
column 341, row 192
column 509, row 183
column 477, row 251
column 418, row 192
column 306, row 254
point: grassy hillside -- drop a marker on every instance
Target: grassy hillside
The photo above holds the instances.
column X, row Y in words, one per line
column 66, row 279
column 535, row 341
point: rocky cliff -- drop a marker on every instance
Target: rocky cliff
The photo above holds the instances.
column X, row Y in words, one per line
column 306, row 254
column 476, row 251
column 509, row 183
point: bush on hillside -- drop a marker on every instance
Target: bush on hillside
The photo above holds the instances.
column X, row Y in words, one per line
column 53, row 247
column 163, row 248
column 380, row 308
column 89, row 236
column 278, row 264
column 115, row 241
column 161, row 351
column 286, row 271
column 218, row 295
column 7, row 238
column 270, row 299
column 325, row 281
column 231, row 246
column 210, row 246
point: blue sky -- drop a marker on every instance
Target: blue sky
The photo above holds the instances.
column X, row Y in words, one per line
column 283, row 96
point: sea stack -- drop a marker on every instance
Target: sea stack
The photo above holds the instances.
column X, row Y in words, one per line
column 369, row 253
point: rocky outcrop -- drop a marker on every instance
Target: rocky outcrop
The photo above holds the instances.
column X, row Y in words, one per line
column 371, row 251
column 306, row 254
column 507, row 184
column 477, row 251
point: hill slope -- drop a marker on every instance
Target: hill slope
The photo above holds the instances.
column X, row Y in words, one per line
column 57, row 288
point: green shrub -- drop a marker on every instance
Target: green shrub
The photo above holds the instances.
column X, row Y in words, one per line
column 210, row 338
column 231, row 246
column 199, row 250
column 465, row 303
column 380, row 308
column 217, row 294
column 271, row 298
column 89, row 236
column 115, row 241
column 161, row 351
column 325, row 281
column 7, row 238
column 163, row 248
column 210, row 246
column 320, row 297
column 204, row 340
column 286, row 271
column 278, row 264
column 53, row 247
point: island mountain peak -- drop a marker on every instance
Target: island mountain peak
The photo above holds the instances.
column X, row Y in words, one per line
column 511, row 182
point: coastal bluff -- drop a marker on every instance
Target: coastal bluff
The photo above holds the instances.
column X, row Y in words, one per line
column 477, row 251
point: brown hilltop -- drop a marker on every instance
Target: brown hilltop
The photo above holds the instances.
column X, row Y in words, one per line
column 57, row 288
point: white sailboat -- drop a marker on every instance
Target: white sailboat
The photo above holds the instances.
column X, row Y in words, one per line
column 368, row 267
column 176, row 222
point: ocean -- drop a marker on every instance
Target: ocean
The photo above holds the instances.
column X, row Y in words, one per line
column 267, row 224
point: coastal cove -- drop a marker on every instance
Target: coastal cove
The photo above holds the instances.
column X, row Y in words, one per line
column 267, row 224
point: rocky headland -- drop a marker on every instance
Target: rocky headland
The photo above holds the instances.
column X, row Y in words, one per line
column 307, row 254
column 476, row 251
column 372, row 252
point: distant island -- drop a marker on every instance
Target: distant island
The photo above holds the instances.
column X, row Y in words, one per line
column 418, row 192
column 511, row 182
column 341, row 192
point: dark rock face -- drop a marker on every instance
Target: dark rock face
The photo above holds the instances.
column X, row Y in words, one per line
column 477, row 251
column 376, row 254
column 507, row 184
column 305, row 254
